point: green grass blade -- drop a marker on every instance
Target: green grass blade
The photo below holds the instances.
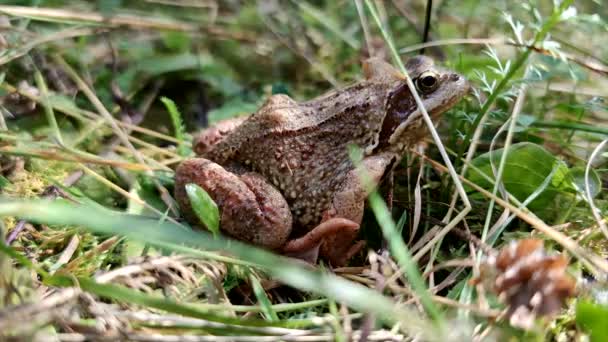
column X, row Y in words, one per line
column 48, row 109
column 263, row 300
column 124, row 294
column 396, row 244
column 574, row 126
column 169, row 235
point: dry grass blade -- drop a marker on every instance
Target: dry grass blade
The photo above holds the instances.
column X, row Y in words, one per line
column 498, row 174
column 88, row 116
column 63, row 15
column 58, row 155
column 596, row 264
column 436, row 138
column 26, row 47
column 124, row 193
column 117, row 129
column 121, row 20
column 37, row 314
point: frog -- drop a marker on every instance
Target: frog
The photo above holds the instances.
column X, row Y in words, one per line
column 283, row 178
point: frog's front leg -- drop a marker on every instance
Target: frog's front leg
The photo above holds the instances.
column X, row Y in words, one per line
column 251, row 209
column 335, row 236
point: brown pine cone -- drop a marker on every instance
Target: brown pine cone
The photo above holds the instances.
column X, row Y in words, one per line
column 529, row 281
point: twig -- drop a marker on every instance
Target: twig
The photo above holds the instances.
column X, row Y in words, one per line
column 427, row 23
column 412, row 18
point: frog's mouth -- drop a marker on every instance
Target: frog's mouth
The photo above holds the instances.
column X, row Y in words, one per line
column 453, row 88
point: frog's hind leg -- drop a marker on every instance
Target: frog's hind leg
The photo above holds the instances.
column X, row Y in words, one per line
column 308, row 246
column 251, row 209
column 335, row 236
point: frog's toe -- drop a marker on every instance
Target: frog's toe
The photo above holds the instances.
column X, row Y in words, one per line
column 325, row 229
column 340, row 247
column 310, row 255
column 340, row 260
column 332, row 239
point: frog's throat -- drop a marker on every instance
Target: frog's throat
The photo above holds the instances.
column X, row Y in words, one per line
column 402, row 127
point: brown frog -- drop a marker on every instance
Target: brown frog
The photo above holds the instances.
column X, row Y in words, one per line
column 282, row 177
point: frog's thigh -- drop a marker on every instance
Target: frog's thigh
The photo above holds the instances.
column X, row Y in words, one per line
column 251, row 209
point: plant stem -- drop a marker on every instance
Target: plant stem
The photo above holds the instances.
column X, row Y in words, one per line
column 48, row 109
column 485, row 109
column 571, row 125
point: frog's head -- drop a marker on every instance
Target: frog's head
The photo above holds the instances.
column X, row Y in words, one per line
column 439, row 89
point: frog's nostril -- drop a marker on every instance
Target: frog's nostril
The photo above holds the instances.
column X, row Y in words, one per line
column 455, row 77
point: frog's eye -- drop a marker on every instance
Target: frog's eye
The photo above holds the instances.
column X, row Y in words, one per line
column 427, row 82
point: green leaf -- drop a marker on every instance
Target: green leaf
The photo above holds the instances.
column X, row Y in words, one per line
column 527, row 166
column 204, row 207
column 576, row 181
column 177, row 41
column 593, row 319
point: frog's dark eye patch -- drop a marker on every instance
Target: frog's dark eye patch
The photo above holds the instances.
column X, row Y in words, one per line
column 427, row 82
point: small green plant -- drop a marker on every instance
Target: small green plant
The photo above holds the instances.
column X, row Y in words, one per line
column 178, row 125
column 204, row 207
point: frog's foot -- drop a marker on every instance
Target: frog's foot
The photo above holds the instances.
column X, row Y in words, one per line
column 332, row 239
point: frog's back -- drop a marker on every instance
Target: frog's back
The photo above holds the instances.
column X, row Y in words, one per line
column 302, row 148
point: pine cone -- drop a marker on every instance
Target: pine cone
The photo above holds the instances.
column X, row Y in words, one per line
column 529, row 281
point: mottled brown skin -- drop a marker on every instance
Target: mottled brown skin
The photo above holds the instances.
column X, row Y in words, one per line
column 287, row 165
